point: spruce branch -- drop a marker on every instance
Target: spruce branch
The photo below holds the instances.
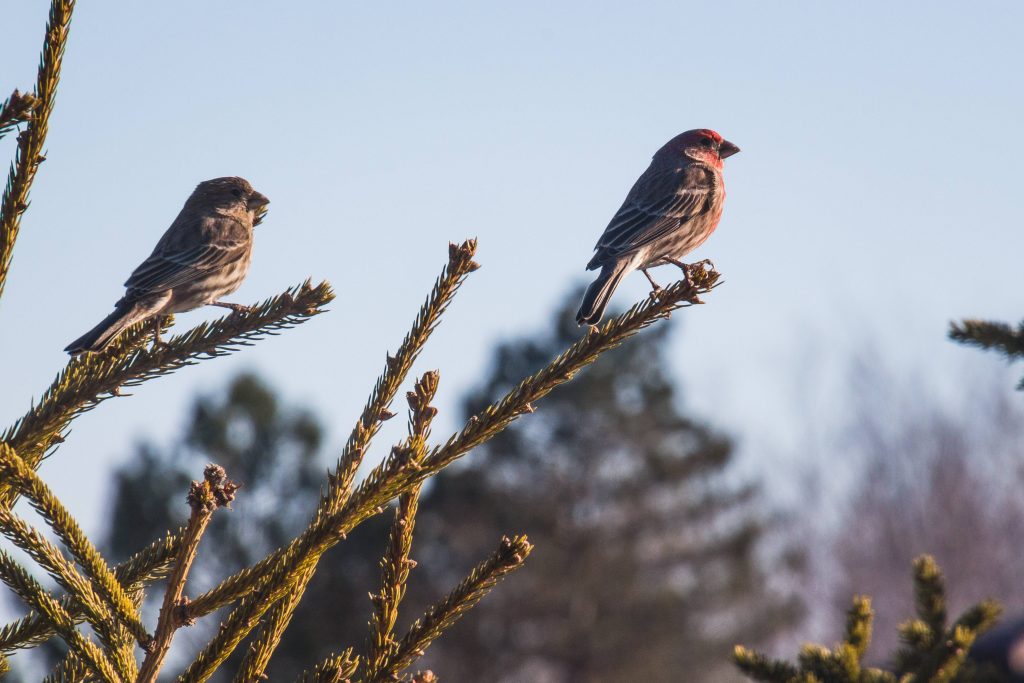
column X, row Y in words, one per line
column 460, row 264
column 858, row 625
column 90, row 379
column 15, row 110
column 334, row 669
column 396, row 564
column 941, row 656
column 34, row 595
column 29, row 153
column 1000, row 337
column 763, row 668
column 270, row 633
column 24, row 479
column 931, row 652
column 215, row 491
column 71, row 669
column 145, row 566
column 397, row 367
column 50, row 559
column 990, row 335
column 384, row 484
column 123, row 636
column 843, row 664
column 440, row 617
column 930, row 594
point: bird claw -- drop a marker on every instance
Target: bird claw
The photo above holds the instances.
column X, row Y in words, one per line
column 237, row 308
column 158, row 344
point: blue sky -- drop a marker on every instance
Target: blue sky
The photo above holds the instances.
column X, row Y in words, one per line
column 877, row 195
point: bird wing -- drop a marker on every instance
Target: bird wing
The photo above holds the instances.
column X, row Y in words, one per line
column 189, row 250
column 661, row 201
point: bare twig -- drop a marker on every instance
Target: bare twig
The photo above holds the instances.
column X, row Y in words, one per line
column 215, row 491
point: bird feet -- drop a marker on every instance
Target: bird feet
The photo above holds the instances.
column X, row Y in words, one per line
column 237, row 308
column 158, row 344
column 689, row 269
column 655, row 287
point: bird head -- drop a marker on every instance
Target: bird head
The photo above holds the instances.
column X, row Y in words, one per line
column 231, row 195
column 702, row 144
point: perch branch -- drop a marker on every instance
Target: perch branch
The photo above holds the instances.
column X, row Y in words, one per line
column 90, row 379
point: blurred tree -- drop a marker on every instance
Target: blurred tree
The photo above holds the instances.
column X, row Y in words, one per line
column 941, row 476
column 650, row 559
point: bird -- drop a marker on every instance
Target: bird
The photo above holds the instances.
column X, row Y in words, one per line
column 673, row 207
column 202, row 257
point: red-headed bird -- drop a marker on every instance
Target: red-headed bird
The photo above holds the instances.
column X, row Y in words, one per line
column 673, row 207
column 203, row 256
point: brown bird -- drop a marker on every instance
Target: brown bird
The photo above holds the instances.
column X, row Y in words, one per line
column 673, row 207
column 203, row 256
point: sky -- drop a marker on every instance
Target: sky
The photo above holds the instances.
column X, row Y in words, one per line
column 876, row 198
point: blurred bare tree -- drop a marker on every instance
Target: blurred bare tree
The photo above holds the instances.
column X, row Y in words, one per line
column 941, row 476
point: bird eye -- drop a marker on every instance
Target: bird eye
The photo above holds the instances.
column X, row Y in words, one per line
column 707, row 142
column 236, row 192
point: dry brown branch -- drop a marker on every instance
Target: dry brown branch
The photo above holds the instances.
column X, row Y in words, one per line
column 215, row 491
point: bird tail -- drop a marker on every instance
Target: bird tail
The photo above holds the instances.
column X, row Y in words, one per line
column 97, row 339
column 600, row 291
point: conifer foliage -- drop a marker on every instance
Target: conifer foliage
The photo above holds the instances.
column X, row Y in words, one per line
column 934, row 650
column 994, row 336
column 259, row 600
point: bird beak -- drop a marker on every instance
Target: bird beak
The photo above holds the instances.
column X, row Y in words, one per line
column 257, row 201
column 727, row 149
